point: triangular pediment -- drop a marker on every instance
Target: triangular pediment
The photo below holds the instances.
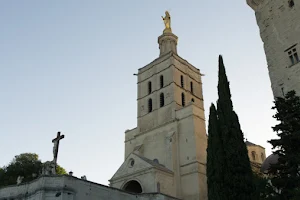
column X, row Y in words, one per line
column 135, row 163
column 132, row 164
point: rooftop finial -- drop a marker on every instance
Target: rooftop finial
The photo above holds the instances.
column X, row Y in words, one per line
column 167, row 41
column 167, row 21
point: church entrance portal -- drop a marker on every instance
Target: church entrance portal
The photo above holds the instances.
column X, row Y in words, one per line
column 133, row 187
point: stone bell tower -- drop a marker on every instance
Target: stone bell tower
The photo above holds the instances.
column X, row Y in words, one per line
column 279, row 25
column 166, row 152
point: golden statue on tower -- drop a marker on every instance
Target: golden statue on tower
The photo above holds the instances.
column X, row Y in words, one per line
column 167, row 21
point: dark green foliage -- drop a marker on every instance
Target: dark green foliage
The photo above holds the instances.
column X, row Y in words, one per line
column 215, row 158
column 238, row 179
column 286, row 173
column 236, row 170
column 2, row 172
column 27, row 165
column 261, row 185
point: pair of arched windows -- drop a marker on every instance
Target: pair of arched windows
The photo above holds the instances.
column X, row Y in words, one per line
column 253, row 155
column 182, row 84
column 183, row 99
column 161, row 102
column 161, row 96
column 161, row 83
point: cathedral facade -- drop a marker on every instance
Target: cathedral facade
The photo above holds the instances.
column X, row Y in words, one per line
column 166, row 152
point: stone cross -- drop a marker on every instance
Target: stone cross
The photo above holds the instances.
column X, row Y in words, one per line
column 55, row 147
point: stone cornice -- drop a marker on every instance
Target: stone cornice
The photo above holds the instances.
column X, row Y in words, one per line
column 140, row 172
column 167, row 56
column 254, row 4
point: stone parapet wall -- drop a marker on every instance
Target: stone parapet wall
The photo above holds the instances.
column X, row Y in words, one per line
column 70, row 188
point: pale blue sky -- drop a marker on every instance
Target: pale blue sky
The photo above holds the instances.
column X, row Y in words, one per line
column 68, row 66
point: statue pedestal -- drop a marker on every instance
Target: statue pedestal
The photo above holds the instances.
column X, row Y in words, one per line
column 167, row 30
column 49, row 168
column 167, row 42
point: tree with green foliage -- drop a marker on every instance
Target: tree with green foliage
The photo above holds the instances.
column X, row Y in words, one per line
column 1, row 172
column 261, row 185
column 215, row 158
column 237, row 177
column 285, row 174
column 26, row 165
column 60, row 170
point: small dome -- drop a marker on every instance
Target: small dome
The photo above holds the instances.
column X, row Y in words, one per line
column 271, row 159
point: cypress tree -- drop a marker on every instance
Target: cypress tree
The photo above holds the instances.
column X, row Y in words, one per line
column 238, row 177
column 215, row 159
column 286, row 173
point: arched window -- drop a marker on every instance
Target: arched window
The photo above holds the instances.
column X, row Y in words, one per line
column 181, row 81
column 182, row 99
column 162, row 99
column 158, row 187
column 193, row 100
column 291, row 3
column 149, row 87
column 262, row 157
column 253, row 155
column 150, row 105
column 161, row 79
column 192, row 88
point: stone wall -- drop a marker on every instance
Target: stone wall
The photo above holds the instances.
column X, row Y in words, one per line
column 192, row 155
column 279, row 25
column 70, row 188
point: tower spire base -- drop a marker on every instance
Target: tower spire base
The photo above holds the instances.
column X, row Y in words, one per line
column 167, row 42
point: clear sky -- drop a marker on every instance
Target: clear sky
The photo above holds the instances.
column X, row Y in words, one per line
column 68, row 66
